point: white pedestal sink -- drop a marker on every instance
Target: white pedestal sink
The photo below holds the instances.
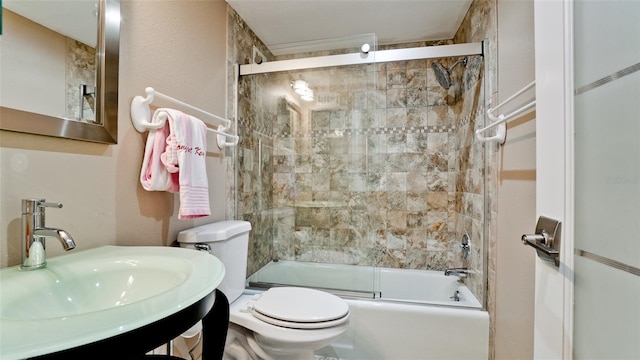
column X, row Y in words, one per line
column 91, row 295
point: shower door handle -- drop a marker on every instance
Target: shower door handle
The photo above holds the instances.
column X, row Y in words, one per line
column 546, row 240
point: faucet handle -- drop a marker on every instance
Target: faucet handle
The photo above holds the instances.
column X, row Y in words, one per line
column 35, row 205
column 49, row 204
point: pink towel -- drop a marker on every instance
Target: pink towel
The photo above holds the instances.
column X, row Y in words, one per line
column 154, row 176
column 176, row 161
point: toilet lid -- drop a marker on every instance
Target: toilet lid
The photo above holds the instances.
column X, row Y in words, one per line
column 300, row 308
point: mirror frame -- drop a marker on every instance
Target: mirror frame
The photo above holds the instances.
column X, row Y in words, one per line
column 105, row 130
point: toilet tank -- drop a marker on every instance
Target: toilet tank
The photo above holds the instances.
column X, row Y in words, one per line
column 228, row 241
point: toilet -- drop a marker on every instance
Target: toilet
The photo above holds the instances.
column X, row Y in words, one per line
column 280, row 323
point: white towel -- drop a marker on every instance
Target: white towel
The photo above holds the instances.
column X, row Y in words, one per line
column 183, row 162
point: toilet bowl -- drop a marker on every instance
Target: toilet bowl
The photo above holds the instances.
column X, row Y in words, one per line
column 280, row 323
column 288, row 323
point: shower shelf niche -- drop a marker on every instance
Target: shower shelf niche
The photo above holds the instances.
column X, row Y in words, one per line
column 319, row 204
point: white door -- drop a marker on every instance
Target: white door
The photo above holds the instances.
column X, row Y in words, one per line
column 588, row 177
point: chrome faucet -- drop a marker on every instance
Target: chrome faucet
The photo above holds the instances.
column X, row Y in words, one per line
column 34, row 233
column 461, row 272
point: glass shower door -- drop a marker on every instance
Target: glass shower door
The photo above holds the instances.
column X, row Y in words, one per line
column 323, row 161
column 607, row 185
column 362, row 164
column 303, row 171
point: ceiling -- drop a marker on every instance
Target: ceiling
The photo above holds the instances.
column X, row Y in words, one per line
column 278, row 22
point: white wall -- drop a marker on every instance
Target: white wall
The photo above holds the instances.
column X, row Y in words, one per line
column 176, row 46
column 516, row 187
column 33, row 63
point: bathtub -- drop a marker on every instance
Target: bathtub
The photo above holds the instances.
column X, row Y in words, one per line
column 396, row 314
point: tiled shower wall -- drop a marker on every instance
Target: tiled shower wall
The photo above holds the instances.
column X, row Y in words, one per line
column 480, row 24
column 386, row 173
column 370, row 178
column 80, row 70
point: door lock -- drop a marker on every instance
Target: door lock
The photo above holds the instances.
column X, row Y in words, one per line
column 546, row 240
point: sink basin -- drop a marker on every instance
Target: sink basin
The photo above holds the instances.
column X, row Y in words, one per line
column 91, row 295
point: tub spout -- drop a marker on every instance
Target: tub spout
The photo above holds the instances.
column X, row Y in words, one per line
column 461, row 272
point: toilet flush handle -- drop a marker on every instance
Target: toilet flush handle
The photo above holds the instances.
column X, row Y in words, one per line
column 202, row 247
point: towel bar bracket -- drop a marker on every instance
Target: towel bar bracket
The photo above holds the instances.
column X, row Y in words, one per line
column 500, row 120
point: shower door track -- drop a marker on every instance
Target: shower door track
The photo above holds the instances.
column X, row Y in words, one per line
column 381, row 56
column 353, row 294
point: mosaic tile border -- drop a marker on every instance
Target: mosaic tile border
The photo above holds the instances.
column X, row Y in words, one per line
column 247, row 125
column 433, row 129
column 374, row 131
column 479, row 112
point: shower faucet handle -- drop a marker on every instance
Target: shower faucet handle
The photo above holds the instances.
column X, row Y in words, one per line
column 465, row 246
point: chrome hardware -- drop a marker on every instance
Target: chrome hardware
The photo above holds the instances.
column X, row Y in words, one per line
column 461, row 272
column 466, row 246
column 202, row 247
column 456, row 296
column 546, row 240
column 34, row 232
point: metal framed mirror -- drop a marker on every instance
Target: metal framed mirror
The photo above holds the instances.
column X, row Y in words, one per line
column 103, row 128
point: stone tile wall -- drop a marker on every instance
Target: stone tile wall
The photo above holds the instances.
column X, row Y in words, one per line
column 480, row 24
column 80, row 70
column 371, row 178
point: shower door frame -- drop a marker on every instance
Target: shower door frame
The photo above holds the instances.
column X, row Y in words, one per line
column 360, row 58
column 372, row 57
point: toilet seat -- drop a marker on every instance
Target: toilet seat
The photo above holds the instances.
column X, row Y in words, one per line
column 300, row 308
column 285, row 341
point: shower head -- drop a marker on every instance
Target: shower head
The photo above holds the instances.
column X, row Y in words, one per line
column 443, row 75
